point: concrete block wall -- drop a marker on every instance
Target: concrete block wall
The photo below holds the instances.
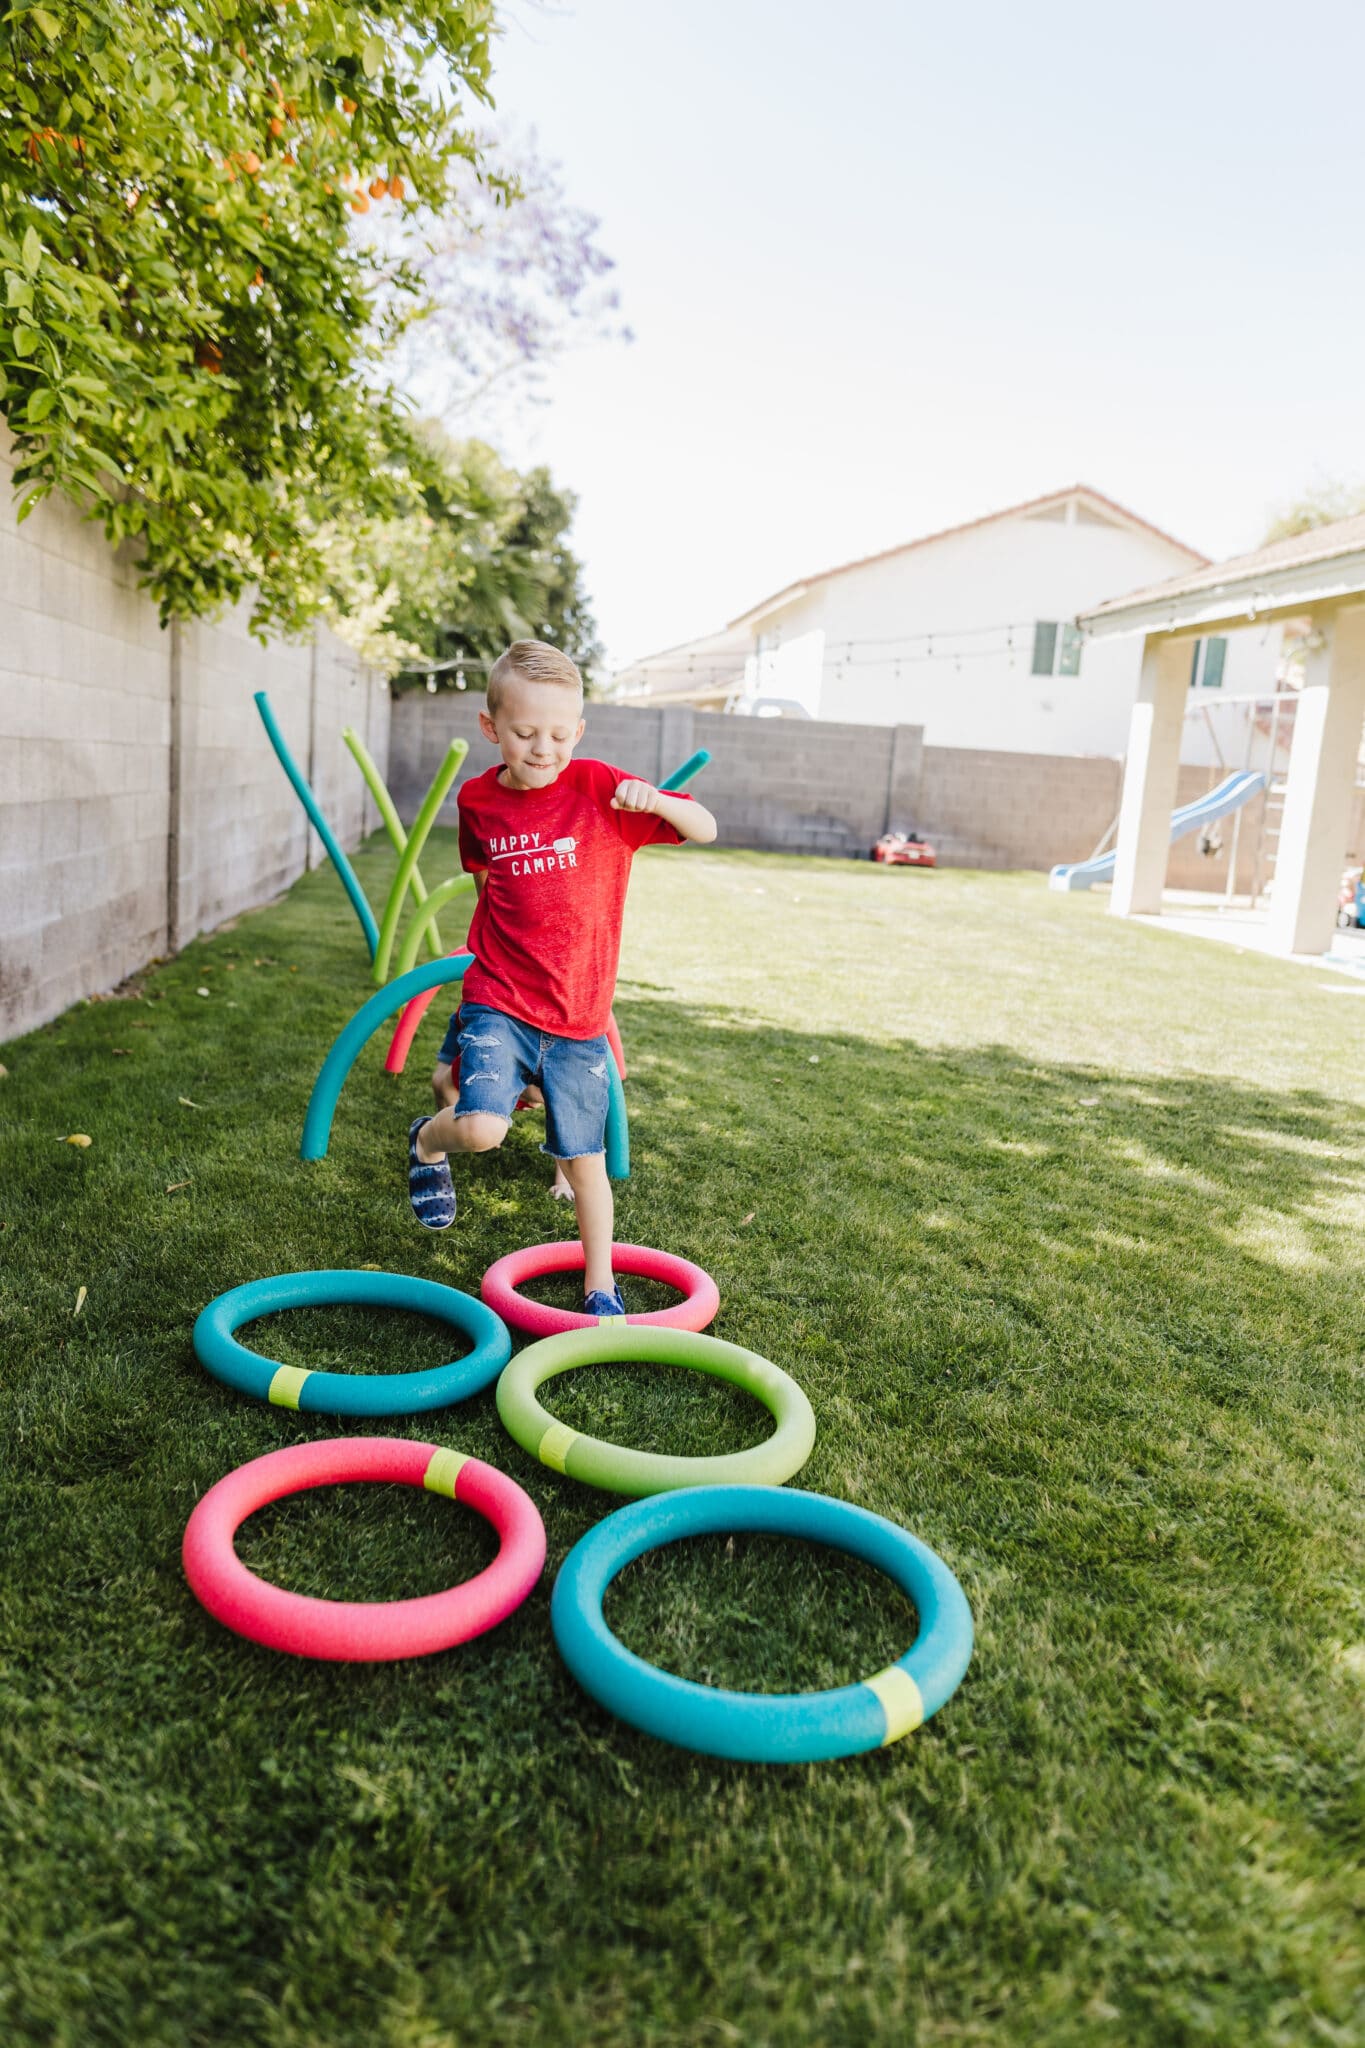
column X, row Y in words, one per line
column 782, row 783
column 811, row 786
column 85, row 676
column 243, row 834
column 988, row 809
column 100, row 870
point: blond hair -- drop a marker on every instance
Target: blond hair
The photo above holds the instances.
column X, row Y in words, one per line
column 537, row 662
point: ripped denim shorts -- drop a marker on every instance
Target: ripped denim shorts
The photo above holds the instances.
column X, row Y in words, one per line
column 499, row 1056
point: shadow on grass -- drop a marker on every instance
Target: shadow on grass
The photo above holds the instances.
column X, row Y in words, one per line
column 1094, row 1336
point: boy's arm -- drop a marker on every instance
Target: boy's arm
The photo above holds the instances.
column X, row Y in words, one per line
column 688, row 818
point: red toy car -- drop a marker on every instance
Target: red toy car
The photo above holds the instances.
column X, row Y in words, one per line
column 905, row 850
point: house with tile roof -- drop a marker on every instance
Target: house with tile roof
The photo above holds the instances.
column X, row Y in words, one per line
column 970, row 633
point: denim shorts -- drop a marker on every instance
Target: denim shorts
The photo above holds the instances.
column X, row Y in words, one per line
column 499, row 1056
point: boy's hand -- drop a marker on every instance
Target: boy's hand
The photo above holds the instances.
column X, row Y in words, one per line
column 635, row 796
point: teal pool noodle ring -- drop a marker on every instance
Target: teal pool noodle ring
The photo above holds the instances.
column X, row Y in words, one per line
column 219, row 1351
column 754, row 1727
column 354, row 1036
column 350, row 1040
column 359, row 903
column 618, row 1123
column 691, row 767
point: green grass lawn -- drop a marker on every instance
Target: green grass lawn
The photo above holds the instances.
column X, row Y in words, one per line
column 1058, row 1222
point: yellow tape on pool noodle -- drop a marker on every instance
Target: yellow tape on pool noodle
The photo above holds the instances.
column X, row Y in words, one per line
column 286, row 1385
column 901, row 1701
column 443, row 1471
column 554, row 1446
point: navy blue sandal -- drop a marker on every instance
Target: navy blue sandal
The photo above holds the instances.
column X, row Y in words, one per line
column 600, row 1304
column 430, row 1189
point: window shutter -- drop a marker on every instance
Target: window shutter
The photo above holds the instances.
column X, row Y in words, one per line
column 1044, row 646
column 1214, row 660
column 1069, row 661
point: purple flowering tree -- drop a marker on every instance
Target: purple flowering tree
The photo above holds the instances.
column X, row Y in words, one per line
column 512, row 277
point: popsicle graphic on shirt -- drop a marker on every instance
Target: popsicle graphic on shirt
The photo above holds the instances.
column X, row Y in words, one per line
column 531, row 844
column 530, row 856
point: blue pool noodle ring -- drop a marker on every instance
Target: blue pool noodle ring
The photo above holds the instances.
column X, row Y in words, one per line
column 346, row 1049
column 347, row 1393
column 762, row 1727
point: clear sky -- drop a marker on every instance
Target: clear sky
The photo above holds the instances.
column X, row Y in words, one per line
column 891, row 266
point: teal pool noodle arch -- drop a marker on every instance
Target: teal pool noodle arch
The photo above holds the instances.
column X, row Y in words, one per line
column 347, row 1046
column 693, row 765
column 359, row 901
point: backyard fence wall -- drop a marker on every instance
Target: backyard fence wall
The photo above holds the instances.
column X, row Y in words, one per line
column 812, row 786
column 140, row 801
column 782, row 783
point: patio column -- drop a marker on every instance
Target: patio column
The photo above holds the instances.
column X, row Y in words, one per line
column 1143, row 846
column 1317, row 801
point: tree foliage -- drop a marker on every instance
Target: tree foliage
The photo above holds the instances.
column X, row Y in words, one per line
column 186, row 337
column 470, row 555
column 1320, row 505
column 509, row 286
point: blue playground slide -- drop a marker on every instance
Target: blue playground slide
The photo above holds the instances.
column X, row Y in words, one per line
column 1229, row 796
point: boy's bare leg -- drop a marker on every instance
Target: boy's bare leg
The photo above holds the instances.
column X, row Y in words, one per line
column 446, row 1132
column 592, row 1195
column 447, row 1093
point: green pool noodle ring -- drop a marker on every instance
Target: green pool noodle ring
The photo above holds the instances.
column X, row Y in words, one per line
column 393, row 825
column 407, row 860
column 615, row 1467
column 359, row 901
column 437, row 900
column 346, row 1048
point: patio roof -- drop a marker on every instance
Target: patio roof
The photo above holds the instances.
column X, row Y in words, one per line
column 1323, row 566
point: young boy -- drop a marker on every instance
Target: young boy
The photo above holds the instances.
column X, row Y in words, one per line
column 549, row 842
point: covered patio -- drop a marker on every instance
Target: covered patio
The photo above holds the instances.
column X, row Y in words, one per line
column 1317, row 578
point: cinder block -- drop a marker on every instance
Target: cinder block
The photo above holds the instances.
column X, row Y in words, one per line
column 21, row 835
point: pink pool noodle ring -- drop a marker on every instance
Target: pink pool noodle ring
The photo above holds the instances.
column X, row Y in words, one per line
column 614, row 1041
column 367, row 1631
column 701, row 1296
column 409, row 1017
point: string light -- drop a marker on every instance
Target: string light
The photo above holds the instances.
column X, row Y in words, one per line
column 901, row 650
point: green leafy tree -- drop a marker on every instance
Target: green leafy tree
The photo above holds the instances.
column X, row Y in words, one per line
column 186, row 340
column 541, row 529
column 471, row 555
column 1318, row 506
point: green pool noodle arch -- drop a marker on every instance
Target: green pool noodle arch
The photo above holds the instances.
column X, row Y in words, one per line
column 393, row 825
column 438, row 899
column 359, row 901
column 691, row 767
column 346, row 1048
column 407, row 860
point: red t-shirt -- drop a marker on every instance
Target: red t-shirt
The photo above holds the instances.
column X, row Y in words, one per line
column 546, row 933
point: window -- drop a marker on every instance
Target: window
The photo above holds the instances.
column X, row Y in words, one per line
column 1069, row 653
column 1056, row 648
column 1044, row 646
column 1207, row 664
